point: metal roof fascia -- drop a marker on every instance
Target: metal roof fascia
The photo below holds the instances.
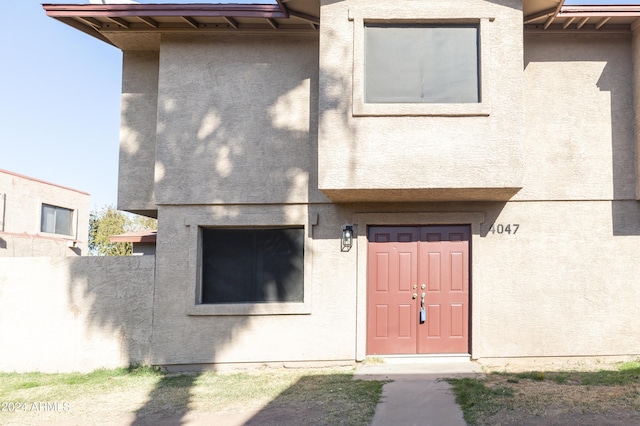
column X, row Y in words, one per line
column 124, row 10
column 599, row 10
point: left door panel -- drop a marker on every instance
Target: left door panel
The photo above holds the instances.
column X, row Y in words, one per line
column 392, row 308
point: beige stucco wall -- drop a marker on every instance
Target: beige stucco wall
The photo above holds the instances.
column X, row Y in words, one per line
column 21, row 200
column 579, row 120
column 552, row 289
column 237, row 119
column 325, row 332
column 635, row 55
column 565, row 285
column 75, row 314
column 237, row 129
column 457, row 151
column 139, row 107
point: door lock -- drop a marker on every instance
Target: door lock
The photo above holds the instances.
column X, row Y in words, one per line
column 415, row 286
column 423, row 286
column 415, row 296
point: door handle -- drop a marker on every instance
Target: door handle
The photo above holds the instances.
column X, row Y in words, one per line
column 415, row 296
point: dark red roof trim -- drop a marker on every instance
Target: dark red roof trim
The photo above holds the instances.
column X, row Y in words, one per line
column 122, row 10
column 148, row 236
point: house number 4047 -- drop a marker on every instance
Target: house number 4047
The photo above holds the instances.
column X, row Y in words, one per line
column 509, row 228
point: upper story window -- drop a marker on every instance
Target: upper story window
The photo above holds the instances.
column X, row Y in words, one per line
column 421, row 63
column 56, row 220
column 411, row 67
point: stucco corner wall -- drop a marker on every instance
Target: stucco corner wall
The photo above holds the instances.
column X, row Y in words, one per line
column 326, row 332
column 138, row 130
column 75, row 314
column 237, row 117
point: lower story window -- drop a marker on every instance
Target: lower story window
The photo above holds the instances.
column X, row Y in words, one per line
column 241, row 265
column 56, row 220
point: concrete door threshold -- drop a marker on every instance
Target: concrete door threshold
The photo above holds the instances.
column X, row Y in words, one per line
column 417, row 367
column 416, row 359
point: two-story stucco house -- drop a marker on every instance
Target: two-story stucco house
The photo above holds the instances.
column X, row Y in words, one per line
column 336, row 179
column 39, row 218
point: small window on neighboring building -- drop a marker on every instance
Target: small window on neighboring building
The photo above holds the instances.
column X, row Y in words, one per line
column 421, row 63
column 255, row 265
column 56, row 220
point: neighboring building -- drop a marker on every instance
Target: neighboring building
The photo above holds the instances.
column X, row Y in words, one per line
column 143, row 242
column 322, row 171
column 39, row 218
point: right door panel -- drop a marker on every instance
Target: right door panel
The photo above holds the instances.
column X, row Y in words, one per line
column 443, row 267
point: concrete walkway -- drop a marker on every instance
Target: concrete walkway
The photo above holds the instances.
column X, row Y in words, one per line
column 416, row 396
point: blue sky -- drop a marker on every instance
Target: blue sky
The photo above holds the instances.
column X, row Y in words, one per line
column 60, row 102
column 60, row 107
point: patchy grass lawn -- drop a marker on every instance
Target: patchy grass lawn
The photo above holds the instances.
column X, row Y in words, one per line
column 274, row 396
column 610, row 397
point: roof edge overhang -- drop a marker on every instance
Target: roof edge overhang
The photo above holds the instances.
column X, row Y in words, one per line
column 602, row 11
column 123, row 10
column 575, row 17
column 146, row 236
column 101, row 20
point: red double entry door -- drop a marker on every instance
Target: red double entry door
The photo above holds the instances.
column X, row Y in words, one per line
column 415, row 267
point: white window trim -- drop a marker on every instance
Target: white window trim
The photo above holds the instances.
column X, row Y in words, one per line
column 194, row 289
column 362, row 108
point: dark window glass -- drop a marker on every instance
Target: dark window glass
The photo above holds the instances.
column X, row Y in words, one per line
column 56, row 220
column 421, row 64
column 252, row 265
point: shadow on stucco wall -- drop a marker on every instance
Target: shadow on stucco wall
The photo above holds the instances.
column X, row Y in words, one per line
column 335, row 98
column 591, row 121
column 237, row 125
column 617, row 79
column 111, row 300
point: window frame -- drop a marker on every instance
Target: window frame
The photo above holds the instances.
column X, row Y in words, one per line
column 72, row 216
column 363, row 108
column 247, row 221
column 219, row 243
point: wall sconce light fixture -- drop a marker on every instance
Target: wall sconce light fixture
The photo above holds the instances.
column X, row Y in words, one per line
column 347, row 238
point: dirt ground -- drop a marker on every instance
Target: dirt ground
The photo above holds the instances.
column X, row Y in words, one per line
column 550, row 418
column 527, row 402
column 543, row 403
